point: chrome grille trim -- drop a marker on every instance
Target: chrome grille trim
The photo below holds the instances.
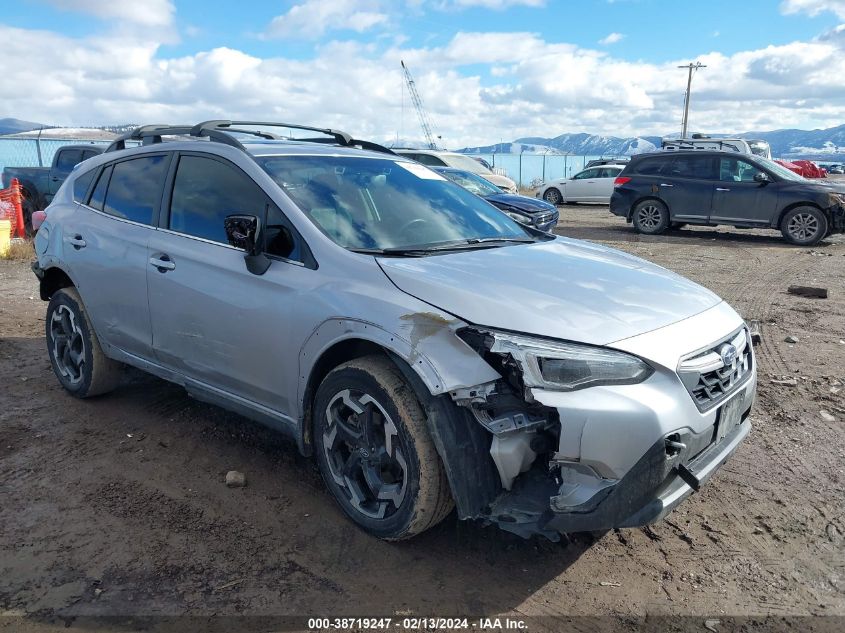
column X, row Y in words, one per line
column 708, row 379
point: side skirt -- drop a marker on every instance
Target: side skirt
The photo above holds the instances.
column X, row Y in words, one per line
column 212, row 395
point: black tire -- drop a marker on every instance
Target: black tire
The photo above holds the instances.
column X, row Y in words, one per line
column 650, row 217
column 804, row 226
column 379, row 463
column 552, row 196
column 75, row 353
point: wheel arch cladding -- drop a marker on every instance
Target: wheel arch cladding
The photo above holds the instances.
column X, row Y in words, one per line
column 643, row 199
column 795, row 205
column 422, row 337
column 462, row 444
column 54, row 279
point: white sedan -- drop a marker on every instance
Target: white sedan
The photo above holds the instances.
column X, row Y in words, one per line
column 594, row 184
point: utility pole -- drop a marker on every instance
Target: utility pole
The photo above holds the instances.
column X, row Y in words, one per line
column 692, row 68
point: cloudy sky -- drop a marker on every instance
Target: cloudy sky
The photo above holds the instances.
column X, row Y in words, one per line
column 487, row 70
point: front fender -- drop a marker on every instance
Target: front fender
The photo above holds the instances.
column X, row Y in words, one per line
column 434, row 361
column 426, row 341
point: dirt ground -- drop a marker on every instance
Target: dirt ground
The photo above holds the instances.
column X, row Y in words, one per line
column 117, row 506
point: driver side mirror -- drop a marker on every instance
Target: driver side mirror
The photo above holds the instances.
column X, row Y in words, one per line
column 761, row 177
column 244, row 232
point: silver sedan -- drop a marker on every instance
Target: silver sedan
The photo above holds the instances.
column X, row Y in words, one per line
column 594, row 184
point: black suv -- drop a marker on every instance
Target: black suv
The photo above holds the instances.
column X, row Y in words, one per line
column 665, row 190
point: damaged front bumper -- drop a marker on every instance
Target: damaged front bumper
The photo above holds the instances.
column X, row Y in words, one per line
column 650, row 490
column 626, row 454
column 837, row 217
column 670, row 470
column 579, row 499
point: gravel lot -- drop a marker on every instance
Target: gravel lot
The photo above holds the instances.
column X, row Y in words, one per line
column 117, row 505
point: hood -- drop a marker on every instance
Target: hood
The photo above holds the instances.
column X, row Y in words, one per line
column 499, row 181
column 563, row 289
column 522, row 203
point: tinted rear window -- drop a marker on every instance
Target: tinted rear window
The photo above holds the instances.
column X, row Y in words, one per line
column 135, row 188
column 651, row 166
column 82, row 184
column 67, row 159
column 701, row 167
column 99, row 193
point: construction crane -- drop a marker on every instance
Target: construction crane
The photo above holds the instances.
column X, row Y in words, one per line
column 415, row 97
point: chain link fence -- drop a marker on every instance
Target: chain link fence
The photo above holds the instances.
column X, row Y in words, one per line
column 529, row 170
column 31, row 152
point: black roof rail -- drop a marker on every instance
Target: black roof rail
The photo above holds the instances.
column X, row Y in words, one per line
column 151, row 134
column 220, row 130
column 342, row 138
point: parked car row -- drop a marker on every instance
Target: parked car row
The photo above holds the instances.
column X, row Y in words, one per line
column 594, row 184
column 530, row 211
column 427, row 349
column 669, row 189
column 659, row 191
column 440, row 158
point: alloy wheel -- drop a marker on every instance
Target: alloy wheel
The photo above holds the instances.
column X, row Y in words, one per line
column 68, row 344
column 552, row 196
column 365, row 459
column 803, row 226
column 649, row 217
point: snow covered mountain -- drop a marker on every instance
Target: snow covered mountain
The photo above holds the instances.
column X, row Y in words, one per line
column 790, row 143
column 580, row 144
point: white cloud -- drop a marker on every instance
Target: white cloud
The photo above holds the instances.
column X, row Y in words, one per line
column 312, row 18
column 532, row 87
column 496, row 5
column 146, row 13
column 611, row 38
column 814, row 7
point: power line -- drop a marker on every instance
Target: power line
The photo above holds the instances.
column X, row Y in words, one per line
column 691, row 68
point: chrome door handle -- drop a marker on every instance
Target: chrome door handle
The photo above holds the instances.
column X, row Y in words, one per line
column 77, row 242
column 721, row 189
column 162, row 263
column 666, row 184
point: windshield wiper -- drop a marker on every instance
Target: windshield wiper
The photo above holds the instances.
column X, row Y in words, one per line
column 509, row 240
column 481, row 242
column 422, row 251
column 396, row 252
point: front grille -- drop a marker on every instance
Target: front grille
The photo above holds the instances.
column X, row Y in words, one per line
column 543, row 218
column 709, row 379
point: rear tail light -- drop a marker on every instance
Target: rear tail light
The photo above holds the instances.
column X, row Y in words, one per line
column 621, row 180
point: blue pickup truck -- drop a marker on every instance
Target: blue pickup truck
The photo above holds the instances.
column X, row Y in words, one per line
column 40, row 184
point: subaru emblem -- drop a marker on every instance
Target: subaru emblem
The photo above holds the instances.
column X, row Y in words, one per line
column 728, row 353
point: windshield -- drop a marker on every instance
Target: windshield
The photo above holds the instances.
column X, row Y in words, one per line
column 472, row 182
column 381, row 204
column 465, row 162
column 780, row 170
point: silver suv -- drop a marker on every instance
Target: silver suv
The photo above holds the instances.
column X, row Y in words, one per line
column 429, row 351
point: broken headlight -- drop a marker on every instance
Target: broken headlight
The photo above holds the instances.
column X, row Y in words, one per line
column 560, row 366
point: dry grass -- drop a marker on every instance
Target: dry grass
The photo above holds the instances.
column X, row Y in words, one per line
column 20, row 251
